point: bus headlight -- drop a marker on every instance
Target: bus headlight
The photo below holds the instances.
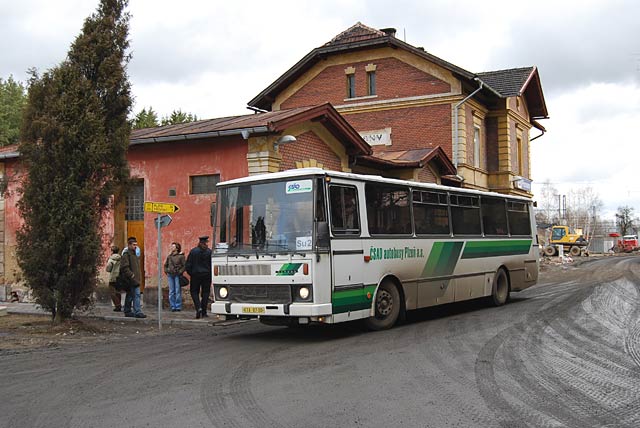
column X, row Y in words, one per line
column 223, row 292
column 303, row 292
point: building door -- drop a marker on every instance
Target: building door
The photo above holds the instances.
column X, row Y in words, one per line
column 134, row 216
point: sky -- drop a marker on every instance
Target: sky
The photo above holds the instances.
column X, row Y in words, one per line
column 210, row 58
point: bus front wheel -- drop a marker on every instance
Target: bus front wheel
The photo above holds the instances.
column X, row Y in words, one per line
column 386, row 307
column 500, row 292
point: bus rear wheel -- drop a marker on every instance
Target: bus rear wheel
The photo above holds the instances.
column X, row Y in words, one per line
column 386, row 307
column 500, row 291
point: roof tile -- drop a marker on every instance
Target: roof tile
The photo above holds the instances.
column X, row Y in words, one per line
column 508, row 83
column 217, row 124
column 355, row 33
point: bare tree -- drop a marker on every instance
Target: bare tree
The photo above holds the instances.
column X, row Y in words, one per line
column 547, row 204
column 625, row 220
column 583, row 206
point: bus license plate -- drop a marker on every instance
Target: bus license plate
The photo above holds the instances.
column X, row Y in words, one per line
column 252, row 310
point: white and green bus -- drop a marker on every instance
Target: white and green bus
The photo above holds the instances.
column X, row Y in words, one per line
column 314, row 246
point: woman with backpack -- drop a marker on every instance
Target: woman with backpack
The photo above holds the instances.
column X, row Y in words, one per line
column 113, row 267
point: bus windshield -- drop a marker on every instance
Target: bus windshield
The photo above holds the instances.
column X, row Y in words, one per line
column 269, row 217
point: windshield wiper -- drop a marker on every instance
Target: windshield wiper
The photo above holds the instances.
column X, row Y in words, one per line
column 280, row 246
column 238, row 250
column 286, row 247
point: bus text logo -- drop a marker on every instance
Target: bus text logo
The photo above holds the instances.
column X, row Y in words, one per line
column 379, row 253
column 298, row 186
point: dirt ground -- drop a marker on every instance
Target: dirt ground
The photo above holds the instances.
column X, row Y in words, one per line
column 23, row 332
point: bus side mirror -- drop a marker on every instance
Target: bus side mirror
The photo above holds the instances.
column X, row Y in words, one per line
column 322, row 234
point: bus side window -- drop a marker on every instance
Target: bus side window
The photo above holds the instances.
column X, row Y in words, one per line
column 430, row 213
column 494, row 216
column 388, row 210
column 519, row 221
column 465, row 214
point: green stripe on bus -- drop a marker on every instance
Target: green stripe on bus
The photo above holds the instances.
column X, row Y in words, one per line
column 479, row 249
column 288, row 269
column 442, row 259
column 352, row 300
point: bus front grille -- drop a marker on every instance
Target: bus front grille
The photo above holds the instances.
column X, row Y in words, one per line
column 248, row 269
column 280, row 293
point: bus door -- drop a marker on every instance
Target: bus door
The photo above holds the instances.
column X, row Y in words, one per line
column 346, row 245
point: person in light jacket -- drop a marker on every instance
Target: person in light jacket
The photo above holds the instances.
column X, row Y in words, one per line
column 174, row 268
column 113, row 267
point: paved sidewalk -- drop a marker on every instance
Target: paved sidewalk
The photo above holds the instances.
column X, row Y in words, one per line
column 103, row 311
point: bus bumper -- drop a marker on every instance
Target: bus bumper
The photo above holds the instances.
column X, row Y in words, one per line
column 282, row 310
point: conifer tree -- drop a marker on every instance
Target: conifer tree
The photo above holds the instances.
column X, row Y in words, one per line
column 12, row 101
column 145, row 119
column 177, row 117
column 73, row 145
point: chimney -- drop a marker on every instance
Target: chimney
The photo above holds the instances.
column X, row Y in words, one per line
column 389, row 31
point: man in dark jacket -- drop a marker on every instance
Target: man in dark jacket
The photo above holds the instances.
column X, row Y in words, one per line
column 130, row 267
column 198, row 267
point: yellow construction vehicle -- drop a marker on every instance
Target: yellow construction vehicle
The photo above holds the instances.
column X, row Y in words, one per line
column 572, row 241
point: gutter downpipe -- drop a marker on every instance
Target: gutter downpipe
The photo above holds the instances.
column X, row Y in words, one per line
column 542, row 132
column 455, row 124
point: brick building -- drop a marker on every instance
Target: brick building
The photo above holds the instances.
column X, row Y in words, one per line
column 409, row 105
column 364, row 102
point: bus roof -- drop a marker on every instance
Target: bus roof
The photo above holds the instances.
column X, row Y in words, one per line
column 305, row 172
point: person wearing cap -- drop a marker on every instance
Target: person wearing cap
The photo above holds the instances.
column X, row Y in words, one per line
column 198, row 267
column 113, row 267
column 130, row 266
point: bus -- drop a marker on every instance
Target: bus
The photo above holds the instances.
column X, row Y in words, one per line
column 310, row 246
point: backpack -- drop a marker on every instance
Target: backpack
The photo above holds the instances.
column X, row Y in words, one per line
column 113, row 266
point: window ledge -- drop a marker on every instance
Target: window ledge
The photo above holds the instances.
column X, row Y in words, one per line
column 368, row 97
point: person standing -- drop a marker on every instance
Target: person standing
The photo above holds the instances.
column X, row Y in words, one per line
column 130, row 266
column 113, row 267
column 174, row 266
column 198, row 267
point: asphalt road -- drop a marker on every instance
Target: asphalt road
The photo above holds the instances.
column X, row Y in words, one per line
column 565, row 353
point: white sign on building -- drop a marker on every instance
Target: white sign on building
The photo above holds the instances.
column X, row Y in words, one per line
column 522, row 184
column 379, row 137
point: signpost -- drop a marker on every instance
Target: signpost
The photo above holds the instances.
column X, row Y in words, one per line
column 161, row 207
column 161, row 221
